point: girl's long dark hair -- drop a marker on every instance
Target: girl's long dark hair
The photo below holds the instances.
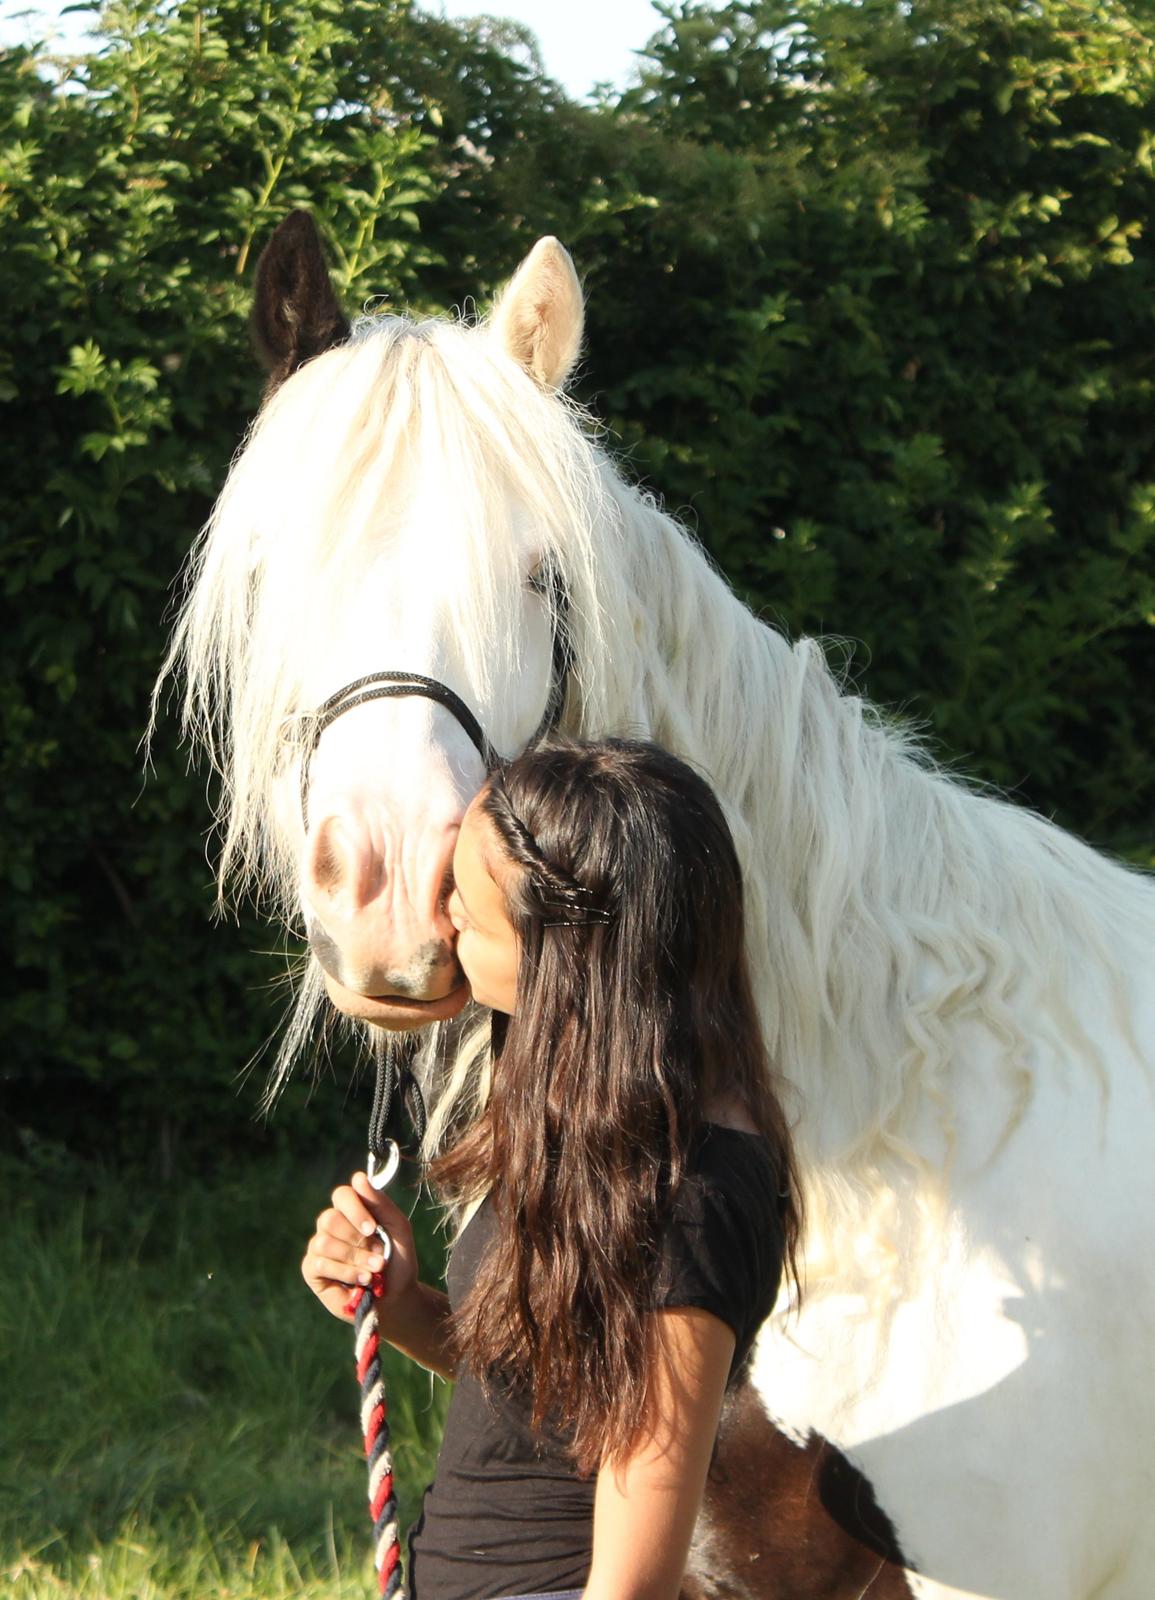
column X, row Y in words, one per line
column 634, row 1009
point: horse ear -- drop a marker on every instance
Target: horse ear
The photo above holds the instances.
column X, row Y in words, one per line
column 538, row 317
column 296, row 314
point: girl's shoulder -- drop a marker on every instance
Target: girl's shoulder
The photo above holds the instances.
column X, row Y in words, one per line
column 719, row 1150
column 730, row 1183
column 722, row 1246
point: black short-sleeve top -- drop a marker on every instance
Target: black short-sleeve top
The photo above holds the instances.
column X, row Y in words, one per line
column 508, row 1513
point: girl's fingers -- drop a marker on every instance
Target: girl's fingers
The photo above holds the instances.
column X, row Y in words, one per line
column 345, row 1252
column 320, row 1270
column 332, row 1225
column 353, row 1208
column 337, row 1240
column 377, row 1202
column 366, row 1257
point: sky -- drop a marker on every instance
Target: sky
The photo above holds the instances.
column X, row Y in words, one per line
column 582, row 41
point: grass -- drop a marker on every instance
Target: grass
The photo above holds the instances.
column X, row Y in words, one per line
column 180, row 1415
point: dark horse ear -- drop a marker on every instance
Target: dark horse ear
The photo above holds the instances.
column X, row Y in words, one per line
column 296, row 314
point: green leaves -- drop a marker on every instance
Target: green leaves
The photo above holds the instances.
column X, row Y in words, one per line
column 134, row 187
column 932, row 446
column 870, row 295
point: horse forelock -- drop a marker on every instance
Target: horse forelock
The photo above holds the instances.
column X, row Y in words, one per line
column 887, row 900
column 322, row 495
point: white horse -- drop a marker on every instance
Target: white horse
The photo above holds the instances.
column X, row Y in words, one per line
column 956, row 991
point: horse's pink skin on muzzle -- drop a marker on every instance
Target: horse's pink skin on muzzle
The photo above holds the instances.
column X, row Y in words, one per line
column 376, row 904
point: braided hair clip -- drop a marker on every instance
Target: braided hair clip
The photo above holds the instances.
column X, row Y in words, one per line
column 570, row 899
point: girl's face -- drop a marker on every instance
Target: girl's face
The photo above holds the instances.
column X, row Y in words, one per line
column 486, row 942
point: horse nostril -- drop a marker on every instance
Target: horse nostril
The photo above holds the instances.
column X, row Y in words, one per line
column 331, row 859
column 327, row 867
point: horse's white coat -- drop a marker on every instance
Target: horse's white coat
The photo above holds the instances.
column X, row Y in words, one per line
column 958, row 993
column 1002, row 1404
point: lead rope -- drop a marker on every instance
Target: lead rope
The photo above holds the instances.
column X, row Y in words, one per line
column 395, row 1083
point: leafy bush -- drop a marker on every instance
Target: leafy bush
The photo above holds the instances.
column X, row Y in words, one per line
column 869, row 293
column 893, row 358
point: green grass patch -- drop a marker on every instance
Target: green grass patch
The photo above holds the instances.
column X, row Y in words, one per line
column 180, row 1415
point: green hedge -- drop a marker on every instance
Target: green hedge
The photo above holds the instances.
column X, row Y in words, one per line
column 870, row 299
column 895, row 359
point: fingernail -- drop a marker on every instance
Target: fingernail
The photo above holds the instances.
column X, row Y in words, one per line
column 376, row 1263
column 362, row 1277
column 366, row 1227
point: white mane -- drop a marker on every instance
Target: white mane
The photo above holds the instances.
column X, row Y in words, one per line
column 888, row 901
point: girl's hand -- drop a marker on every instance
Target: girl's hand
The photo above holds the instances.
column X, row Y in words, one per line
column 345, row 1251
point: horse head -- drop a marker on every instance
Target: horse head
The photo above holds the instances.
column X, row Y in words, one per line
column 399, row 512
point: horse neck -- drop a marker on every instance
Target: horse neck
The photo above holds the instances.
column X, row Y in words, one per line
column 876, row 884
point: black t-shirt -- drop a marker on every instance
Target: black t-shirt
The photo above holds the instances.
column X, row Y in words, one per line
column 508, row 1514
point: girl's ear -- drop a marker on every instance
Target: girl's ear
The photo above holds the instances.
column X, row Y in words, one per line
column 296, row 314
column 538, row 318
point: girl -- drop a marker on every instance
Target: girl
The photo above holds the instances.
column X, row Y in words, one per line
column 632, row 1185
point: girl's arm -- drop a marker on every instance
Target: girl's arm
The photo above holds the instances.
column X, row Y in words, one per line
column 646, row 1504
column 345, row 1251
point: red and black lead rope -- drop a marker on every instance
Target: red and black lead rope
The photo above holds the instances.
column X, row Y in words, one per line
column 375, row 1429
column 395, row 1085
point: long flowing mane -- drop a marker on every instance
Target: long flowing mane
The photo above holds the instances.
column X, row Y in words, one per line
column 889, row 901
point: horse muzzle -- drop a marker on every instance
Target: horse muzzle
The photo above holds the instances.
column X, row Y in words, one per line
column 397, row 1013
column 431, row 988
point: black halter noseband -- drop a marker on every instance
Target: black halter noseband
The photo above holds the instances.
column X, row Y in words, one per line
column 395, row 685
